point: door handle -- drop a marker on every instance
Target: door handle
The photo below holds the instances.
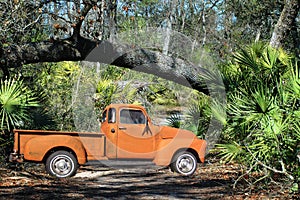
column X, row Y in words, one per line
column 122, row 128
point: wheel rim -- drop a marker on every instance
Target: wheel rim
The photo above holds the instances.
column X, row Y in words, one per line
column 61, row 165
column 186, row 164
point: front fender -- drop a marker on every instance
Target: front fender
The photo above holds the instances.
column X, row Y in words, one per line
column 173, row 140
column 36, row 148
column 164, row 152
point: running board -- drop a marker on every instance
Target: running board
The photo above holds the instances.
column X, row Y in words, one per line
column 123, row 163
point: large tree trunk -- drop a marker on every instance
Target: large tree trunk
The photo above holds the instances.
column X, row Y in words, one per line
column 285, row 22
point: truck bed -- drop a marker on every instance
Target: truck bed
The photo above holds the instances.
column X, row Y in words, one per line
column 28, row 143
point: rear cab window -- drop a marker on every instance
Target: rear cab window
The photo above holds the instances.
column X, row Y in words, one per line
column 112, row 115
column 109, row 116
column 103, row 118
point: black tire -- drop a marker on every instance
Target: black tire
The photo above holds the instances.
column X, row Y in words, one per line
column 184, row 163
column 61, row 164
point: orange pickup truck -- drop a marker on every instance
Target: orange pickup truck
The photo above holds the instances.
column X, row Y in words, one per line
column 127, row 135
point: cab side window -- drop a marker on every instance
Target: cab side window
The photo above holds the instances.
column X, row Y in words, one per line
column 130, row 116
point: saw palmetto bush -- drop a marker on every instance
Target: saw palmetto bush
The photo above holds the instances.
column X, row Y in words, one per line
column 15, row 103
column 262, row 129
column 16, row 100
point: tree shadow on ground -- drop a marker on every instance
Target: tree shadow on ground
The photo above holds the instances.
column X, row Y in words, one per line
column 120, row 184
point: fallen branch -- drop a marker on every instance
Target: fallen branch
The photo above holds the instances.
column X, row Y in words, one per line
column 243, row 175
column 283, row 171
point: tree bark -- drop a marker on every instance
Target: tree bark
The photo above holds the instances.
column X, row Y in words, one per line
column 284, row 24
column 77, row 48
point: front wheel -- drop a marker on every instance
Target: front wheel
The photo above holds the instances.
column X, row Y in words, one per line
column 61, row 164
column 184, row 163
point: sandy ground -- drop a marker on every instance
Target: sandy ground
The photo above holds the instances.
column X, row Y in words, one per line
column 211, row 181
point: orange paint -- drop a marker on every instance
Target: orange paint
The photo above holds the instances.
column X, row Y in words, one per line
column 127, row 133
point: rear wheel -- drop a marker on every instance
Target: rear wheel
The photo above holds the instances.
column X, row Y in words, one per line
column 184, row 163
column 61, row 164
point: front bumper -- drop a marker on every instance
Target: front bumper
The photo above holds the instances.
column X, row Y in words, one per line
column 15, row 157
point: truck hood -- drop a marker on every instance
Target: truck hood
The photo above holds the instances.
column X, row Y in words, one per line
column 170, row 133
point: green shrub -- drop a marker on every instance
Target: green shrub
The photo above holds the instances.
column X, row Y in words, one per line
column 263, row 92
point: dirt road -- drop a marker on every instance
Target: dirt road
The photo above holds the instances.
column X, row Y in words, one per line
column 211, row 181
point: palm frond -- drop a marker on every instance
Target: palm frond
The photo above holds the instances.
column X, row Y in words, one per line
column 247, row 58
column 270, row 58
column 15, row 100
column 297, row 131
column 174, row 120
column 229, row 152
column 262, row 99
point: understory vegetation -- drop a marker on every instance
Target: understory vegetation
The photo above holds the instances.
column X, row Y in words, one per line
column 262, row 127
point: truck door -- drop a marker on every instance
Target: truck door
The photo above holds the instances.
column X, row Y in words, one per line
column 135, row 139
column 109, row 127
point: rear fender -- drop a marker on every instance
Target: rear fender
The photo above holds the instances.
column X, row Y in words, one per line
column 38, row 147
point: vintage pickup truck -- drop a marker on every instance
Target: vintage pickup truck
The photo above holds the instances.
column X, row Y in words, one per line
column 127, row 135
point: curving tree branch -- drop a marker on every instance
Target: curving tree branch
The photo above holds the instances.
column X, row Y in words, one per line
column 138, row 59
column 78, row 48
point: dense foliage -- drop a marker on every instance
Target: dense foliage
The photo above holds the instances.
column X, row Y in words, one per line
column 16, row 102
column 262, row 129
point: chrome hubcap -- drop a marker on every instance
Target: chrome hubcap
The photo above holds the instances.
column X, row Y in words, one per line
column 62, row 165
column 185, row 164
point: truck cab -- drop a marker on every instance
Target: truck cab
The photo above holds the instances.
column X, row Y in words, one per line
column 129, row 132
